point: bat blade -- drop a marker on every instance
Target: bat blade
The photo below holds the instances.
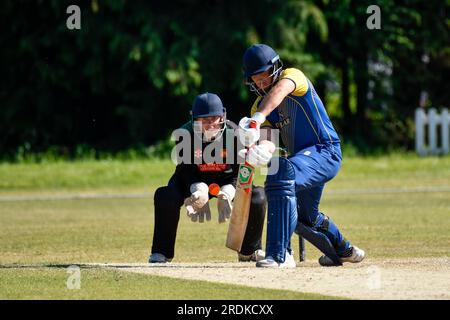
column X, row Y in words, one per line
column 241, row 208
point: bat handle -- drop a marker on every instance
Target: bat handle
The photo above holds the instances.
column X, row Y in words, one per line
column 253, row 124
column 242, row 153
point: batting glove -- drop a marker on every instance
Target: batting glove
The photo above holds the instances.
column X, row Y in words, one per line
column 224, row 199
column 248, row 135
column 258, row 155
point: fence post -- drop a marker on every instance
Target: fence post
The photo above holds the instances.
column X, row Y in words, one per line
column 420, row 121
column 432, row 124
column 445, row 124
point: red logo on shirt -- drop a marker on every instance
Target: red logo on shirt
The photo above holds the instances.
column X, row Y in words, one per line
column 207, row 167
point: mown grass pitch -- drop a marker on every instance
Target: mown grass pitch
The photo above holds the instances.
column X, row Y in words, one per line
column 393, row 206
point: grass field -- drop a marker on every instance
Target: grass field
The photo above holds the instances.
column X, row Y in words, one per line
column 393, row 207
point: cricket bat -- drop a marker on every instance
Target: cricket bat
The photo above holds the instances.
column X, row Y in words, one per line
column 241, row 205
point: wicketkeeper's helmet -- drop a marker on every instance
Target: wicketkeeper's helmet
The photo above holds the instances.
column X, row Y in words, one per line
column 208, row 105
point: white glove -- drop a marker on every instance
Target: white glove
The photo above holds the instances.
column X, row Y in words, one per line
column 258, row 155
column 224, row 198
column 200, row 214
column 197, row 206
column 247, row 135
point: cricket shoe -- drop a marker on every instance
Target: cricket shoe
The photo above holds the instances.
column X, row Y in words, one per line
column 158, row 258
column 256, row 256
column 353, row 255
column 269, row 262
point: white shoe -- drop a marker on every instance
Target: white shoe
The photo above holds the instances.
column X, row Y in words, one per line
column 256, row 256
column 269, row 262
column 356, row 256
column 158, row 258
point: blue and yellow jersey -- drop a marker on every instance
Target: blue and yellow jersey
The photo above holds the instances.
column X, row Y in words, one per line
column 301, row 117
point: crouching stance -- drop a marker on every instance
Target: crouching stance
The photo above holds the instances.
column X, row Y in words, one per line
column 189, row 185
column 288, row 102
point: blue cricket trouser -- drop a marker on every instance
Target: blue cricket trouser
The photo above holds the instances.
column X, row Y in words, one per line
column 314, row 166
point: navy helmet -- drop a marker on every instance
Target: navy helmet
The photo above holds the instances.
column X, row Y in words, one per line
column 259, row 58
column 208, row 105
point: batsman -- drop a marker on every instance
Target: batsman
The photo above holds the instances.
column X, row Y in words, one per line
column 189, row 186
column 288, row 102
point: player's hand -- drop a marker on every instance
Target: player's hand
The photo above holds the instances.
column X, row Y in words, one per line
column 247, row 135
column 248, row 130
column 224, row 199
column 197, row 206
column 258, row 155
column 201, row 214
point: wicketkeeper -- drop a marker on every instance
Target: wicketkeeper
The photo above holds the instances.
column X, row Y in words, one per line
column 288, row 102
column 188, row 186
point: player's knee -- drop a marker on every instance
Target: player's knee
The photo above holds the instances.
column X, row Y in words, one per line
column 314, row 219
column 160, row 195
column 308, row 216
column 166, row 197
column 321, row 222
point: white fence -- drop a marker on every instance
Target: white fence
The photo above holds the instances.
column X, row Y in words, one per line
column 435, row 140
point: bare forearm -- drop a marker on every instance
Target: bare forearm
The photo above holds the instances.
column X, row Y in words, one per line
column 271, row 101
column 276, row 96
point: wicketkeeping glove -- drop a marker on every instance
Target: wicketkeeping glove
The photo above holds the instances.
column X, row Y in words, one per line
column 224, row 199
column 197, row 206
column 200, row 214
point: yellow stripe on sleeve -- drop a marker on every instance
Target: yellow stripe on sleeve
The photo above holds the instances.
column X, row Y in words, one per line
column 299, row 79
